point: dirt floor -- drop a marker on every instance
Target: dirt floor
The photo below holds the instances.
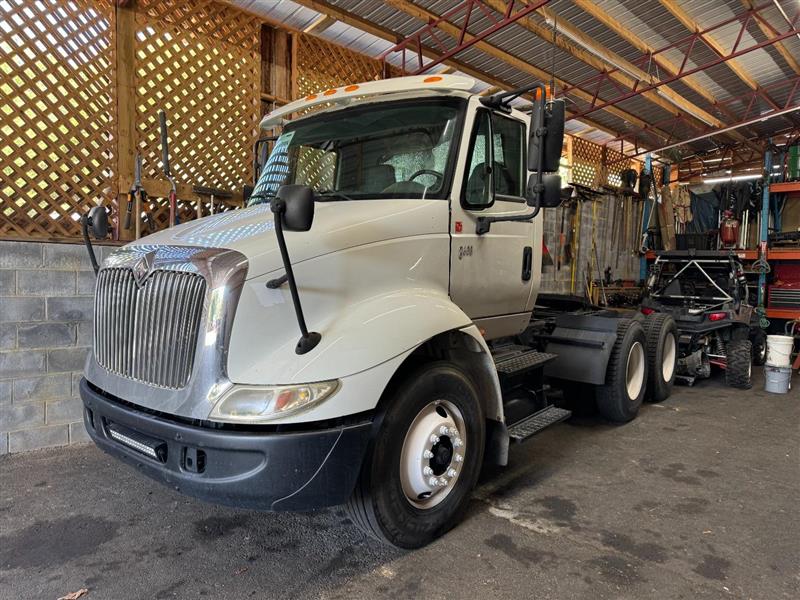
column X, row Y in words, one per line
column 697, row 498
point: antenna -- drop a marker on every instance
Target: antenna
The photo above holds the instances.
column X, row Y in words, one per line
column 553, row 59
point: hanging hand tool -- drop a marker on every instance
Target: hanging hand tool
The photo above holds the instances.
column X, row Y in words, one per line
column 213, row 194
column 174, row 219
column 562, row 237
column 137, row 182
column 136, row 200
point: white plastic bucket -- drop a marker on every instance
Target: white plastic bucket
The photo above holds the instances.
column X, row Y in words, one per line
column 779, row 350
column 777, row 380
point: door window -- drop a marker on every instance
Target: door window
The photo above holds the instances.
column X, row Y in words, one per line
column 496, row 168
column 478, row 192
column 508, row 136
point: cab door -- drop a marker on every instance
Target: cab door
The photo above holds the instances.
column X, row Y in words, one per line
column 492, row 275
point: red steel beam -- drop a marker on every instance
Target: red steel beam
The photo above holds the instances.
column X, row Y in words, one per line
column 463, row 13
column 688, row 43
column 729, row 106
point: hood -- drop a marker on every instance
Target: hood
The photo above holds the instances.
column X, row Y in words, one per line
column 337, row 226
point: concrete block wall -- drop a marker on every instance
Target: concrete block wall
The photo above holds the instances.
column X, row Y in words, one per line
column 46, row 307
column 623, row 261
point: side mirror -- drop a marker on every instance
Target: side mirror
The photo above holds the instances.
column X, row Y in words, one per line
column 298, row 212
column 551, row 117
column 98, row 222
column 551, row 191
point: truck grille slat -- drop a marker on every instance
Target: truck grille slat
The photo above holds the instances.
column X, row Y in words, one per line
column 148, row 333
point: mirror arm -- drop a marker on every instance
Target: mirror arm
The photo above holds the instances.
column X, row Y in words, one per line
column 308, row 339
column 88, row 243
column 485, row 223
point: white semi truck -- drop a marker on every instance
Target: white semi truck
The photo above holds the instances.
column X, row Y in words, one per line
column 364, row 332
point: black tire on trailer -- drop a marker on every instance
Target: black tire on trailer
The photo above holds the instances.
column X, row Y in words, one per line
column 621, row 396
column 739, row 366
column 662, row 355
column 401, row 497
column 758, row 339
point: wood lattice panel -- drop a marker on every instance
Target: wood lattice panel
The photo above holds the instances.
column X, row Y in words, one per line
column 199, row 61
column 586, row 162
column 322, row 65
column 57, row 115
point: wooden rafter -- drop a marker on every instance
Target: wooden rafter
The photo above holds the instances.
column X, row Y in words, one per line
column 591, row 8
column 693, row 26
column 320, row 24
column 448, row 28
column 601, row 58
column 787, row 56
column 387, row 34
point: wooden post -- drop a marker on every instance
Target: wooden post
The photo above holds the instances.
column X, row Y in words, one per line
column 126, row 111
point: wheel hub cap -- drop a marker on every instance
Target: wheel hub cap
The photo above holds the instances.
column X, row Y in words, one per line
column 433, row 454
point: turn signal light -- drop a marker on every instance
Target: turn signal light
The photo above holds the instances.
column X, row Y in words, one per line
column 718, row 316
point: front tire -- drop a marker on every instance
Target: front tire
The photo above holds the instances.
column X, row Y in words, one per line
column 626, row 374
column 424, row 461
column 662, row 355
column 739, row 366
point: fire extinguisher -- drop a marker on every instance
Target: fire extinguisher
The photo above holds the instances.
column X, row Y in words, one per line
column 729, row 230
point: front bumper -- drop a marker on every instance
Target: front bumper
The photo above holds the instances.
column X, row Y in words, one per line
column 261, row 470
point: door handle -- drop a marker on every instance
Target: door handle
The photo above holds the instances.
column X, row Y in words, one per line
column 527, row 263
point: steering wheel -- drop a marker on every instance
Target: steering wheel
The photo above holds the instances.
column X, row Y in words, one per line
column 439, row 176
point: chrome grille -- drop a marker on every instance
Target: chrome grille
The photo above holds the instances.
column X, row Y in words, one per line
column 148, row 333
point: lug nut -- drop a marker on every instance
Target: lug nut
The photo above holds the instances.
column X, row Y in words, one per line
column 434, row 438
column 457, row 443
column 444, row 430
column 453, row 431
column 443, row 482
column 452, row 472
column 433, row 482
column 427, row 471
column 458, row 458
column 427, row 454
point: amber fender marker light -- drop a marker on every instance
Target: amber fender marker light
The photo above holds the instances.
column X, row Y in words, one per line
column 433, row 79
column 311, row 97
column 351, row 88
column 329, row 92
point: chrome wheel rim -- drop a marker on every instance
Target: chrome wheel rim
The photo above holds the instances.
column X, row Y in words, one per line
column 433, row 454
column 668, row 353
column 634, row 372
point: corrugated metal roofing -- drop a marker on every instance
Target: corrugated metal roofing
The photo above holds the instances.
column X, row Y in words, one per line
column 648, row 20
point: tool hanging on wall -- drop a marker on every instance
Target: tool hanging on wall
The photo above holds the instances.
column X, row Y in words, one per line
column 213, row 195
column 174, row 218
column 137, row 197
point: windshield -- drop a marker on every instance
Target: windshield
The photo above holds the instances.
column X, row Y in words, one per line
column 401, row 149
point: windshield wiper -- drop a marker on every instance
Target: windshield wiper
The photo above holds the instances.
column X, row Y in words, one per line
column 330, row 194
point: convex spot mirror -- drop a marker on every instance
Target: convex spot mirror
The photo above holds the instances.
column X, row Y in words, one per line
column 552, row 119
column 98, row 222
column 298, row 212
column 551, row 194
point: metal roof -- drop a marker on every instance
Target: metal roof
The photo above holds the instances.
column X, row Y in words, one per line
column 648, row 20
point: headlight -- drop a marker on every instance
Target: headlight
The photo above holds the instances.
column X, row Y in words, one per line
column 258, row 404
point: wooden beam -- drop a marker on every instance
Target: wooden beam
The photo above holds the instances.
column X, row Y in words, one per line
column 126, row 115
column 453, row 30
column 320, row 24
column 579, row 45
column 689, row 23
column 593, row 9
column 387, row 34
column 787, row 56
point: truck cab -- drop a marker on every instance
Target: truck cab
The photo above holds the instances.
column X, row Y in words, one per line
column 361, row 332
